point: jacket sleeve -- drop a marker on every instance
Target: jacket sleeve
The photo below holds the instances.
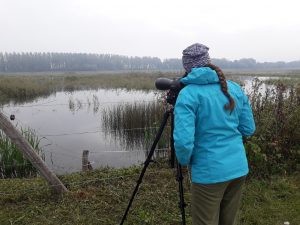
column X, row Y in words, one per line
column 184, row 127
column 246, row 121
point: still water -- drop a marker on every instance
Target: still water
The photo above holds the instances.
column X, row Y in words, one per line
column 70, row 122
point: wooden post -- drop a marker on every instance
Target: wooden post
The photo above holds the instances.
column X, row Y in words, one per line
column 86, row 165
column 17, row 138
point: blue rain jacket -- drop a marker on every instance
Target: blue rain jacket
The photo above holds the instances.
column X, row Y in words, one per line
column 206, row 136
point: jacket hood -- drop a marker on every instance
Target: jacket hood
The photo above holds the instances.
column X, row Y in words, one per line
column 201, row 75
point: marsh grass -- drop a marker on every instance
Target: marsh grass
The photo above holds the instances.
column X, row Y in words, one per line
column 12, row 161
column 275, row 146
column 257, row 73
column 21, row 88
column 135, row 124
column 287, row 82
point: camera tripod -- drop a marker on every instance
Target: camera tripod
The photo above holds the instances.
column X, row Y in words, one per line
column 179, row 177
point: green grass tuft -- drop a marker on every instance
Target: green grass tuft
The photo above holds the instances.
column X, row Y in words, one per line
column 12, row 161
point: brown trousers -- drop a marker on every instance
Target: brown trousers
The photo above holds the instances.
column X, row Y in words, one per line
column 216, row 204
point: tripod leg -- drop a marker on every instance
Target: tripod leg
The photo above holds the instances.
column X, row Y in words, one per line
column 172, row 158
column 179, row 176
column 147, row 162
column 182, row 204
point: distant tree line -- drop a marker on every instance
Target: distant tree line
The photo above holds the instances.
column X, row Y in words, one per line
column 63, row 62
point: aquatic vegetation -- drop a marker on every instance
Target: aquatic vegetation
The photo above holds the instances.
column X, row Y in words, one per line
column 134, row 125
column 12, row 161
column 77, row 104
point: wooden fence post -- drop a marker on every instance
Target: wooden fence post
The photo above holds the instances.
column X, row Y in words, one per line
column 86, row 165
column 18, row 139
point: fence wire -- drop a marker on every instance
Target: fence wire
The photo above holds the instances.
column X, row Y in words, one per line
column 81, row 103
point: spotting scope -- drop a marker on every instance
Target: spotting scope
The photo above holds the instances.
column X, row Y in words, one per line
column 168, row 84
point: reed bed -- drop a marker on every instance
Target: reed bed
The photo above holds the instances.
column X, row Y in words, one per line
column 13, row 164
column 263, row 73
column 287, row 81
column 134, row 125
column 21, row 88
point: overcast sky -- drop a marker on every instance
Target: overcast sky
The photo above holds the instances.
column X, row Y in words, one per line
column 267, row 30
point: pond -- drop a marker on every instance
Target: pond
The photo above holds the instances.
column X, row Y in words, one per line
column 69, row 122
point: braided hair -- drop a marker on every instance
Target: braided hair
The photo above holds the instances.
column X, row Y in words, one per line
column 224, row 87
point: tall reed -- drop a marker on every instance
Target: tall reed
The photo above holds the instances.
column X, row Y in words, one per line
column 12, row 161
column 135, row 124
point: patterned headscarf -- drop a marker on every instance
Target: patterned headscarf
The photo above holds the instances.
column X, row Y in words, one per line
column 194, row 56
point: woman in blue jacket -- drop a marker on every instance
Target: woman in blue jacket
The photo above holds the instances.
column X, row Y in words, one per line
column 211, row 117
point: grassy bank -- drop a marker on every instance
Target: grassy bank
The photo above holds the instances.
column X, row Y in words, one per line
column 100, row 197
